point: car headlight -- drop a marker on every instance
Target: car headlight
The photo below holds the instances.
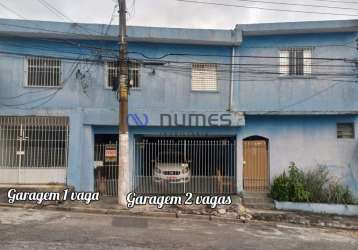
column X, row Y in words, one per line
column 186, row 168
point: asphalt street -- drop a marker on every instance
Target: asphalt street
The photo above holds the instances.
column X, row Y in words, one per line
column 41, row 229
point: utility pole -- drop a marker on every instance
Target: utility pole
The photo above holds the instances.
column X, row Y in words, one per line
column 123, row 164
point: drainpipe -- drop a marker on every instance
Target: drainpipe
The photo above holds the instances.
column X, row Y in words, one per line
column 237, row 39
column 231, row 95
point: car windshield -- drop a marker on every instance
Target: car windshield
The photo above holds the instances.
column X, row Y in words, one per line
column 170, row 157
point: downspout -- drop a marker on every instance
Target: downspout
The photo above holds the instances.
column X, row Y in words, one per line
column 237, row 39
column 231, row 91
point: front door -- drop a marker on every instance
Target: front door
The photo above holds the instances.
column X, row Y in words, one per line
column 256, row 170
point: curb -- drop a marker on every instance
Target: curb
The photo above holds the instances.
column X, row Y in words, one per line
column 125, row 212
column 259, row 216
column 292, row 218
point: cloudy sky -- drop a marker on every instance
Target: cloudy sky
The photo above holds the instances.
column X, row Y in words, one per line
column 173, row 13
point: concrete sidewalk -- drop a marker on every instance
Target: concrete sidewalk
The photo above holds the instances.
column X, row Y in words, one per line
column 231, row 214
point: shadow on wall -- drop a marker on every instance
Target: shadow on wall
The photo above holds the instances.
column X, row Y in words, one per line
column 347, row 175
column 352, row 177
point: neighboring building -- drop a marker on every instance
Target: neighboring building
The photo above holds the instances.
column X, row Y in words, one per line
column 238, row 108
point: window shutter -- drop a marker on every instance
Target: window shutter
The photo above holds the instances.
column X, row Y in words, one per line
column 345, row 130
column 204, row 77
column 307, row 61
column 284, row 62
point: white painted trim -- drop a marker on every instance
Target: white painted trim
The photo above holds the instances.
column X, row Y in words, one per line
column 33, row 175
column 105, row 74
column 25, row 72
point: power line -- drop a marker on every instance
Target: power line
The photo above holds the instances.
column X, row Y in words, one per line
column 54, row 10
column 46, row 98
column 228, row 56
column 24, row 94
column 12, row 11
column 77, row 44
column 265, row 8
column 111, row 19
column 60, row 14
column 335, row 1
column 306, row 99
column 157, row 59
column 254, row 72
column 257, row 78
column 102, row 59
column 298, row 4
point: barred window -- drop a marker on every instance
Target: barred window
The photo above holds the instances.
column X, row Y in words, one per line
column 112, row 73
column 204, row 77
column 345, row 130
column 43, row 72
column 133, row 74
column 296, row 62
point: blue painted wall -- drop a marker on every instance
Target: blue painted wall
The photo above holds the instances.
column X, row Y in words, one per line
column 309, row 142
column 93, row 109
column 258, row 93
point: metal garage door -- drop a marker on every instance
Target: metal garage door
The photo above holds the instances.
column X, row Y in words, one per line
column 180, row 165
column 33, row 150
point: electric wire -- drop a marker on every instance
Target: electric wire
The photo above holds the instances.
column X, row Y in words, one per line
column 11, row 10
column 298, row 4
column 266, row 8
column 54, row 10
column 46, row 98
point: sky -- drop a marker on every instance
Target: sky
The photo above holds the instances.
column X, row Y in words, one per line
column 173, row 13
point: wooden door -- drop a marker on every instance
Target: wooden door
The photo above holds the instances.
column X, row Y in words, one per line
column 256, row 170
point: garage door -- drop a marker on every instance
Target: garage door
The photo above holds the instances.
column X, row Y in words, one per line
column 180, row 165
column 33, row 150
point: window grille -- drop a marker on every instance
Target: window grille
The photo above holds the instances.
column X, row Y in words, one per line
column 33, row 142
column 43, row 72
column 134, row 68
column 345, row 131
column 296, row 62
column 112, row 73
column 204, row 77
column 133, row 74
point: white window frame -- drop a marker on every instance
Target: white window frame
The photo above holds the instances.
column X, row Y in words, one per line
column 106, row 71
column 138, row 69
column 284, row 62
column 202, row 84
column 26, row 71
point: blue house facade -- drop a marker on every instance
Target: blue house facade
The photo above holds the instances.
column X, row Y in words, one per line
column 239, row 104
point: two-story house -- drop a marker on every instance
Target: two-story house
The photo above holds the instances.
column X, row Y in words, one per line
column 210, row 111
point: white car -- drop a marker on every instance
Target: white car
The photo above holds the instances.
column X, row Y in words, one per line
column 171, row 168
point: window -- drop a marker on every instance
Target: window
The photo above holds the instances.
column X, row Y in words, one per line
column 112, row 73
column 133, row 74
column 296, row 62
column 43, row 72
column 204, row 77
column 345, row 130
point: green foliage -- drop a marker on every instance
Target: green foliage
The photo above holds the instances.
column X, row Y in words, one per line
column 296, row 187
column 279, row 189
column 312, row 186
column 339, row 194
column 316, row 181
